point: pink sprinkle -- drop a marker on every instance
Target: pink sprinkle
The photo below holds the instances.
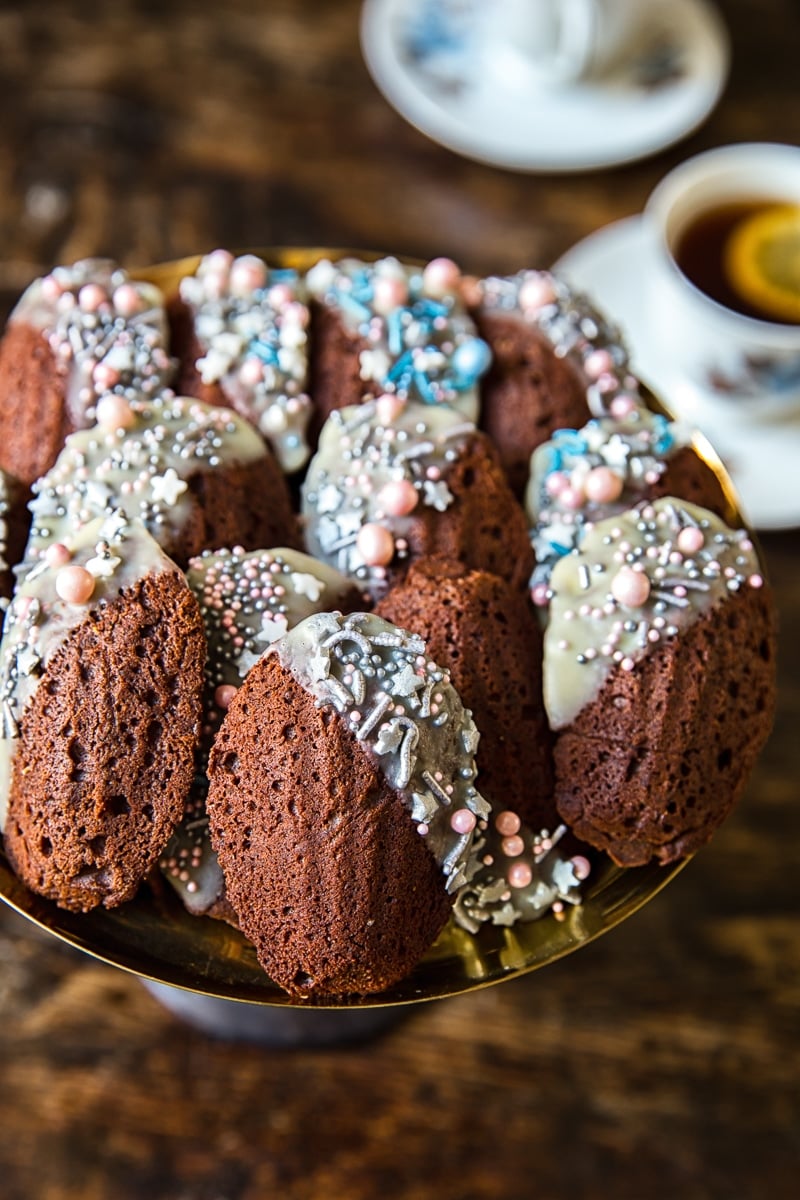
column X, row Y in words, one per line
column 422, row 829
column 519, row 875
column 105, row 377
column 57, row 555
column 388, row 407
column 536, row 292
column 251, row 371
column 50, row 288
column 389, row 293
column 622, row 406
column 691, row 539
column 114, row 412
column 463, row 821
column 279, row 295
column 375, row 544
column 581, row 866
column 513, row 846
column 398, row 497
column 602, row 485
column 75, row 584
column 756, row 581
column 91, row 296
column 572, row 497
column 540, row 595
column 248, row 273
column 224, row 695
column 555, row 483
column 631, row 588
column 598, row 363
column 127, row 301
column 507, row 823
column 441, row 277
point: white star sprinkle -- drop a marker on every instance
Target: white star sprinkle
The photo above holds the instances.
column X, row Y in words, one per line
column 168, row 487
column 307, row 585
column 103, row 566
column 273, row 626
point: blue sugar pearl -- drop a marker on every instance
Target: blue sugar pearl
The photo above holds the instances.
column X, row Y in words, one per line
column 472, row 358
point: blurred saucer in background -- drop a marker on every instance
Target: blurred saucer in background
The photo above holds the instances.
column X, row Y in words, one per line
column 433, row 64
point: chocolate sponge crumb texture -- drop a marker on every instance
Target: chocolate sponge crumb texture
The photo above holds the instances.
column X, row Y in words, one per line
column 247, row 601
column 102, row 661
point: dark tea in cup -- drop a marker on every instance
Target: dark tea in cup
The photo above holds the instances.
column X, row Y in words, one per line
column 745, row 255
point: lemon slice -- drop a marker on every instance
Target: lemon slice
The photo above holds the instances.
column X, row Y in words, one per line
column 762, row 261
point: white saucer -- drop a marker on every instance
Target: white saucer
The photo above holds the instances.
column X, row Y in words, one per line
column 426, row 58
column 763, row 459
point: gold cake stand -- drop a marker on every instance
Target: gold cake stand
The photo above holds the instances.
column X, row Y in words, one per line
column 155, row 938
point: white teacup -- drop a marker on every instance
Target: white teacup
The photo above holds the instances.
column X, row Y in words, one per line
column 721, row 365
column 558, row 41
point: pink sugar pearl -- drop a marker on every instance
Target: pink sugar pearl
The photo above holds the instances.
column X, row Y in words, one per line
column 91, row 296
column 398, row 498
column 539, row 595
column 127, row 300
column 581, row 866
column 105, row 377
column 691, row 539
column 248, row 274
column 75, row 584
column 224, row 694
column 630, row 587
column 251, row 372
column 519, row 875
column 598, row 363
column 507, row 823
column 388, row 293
column 536, row 292
column 114, row 412
column 218, row 260
column 57, row 555
column 571, row 497
column 463, row 821
column 513, row 846
column 441, row 277
column 556, row 482
column 375, row 544
column 388, row 407
column 279, row 295
column 602, row 485
column 622, row 407
column 50, row 288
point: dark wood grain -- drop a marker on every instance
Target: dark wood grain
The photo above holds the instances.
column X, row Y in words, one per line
column 661, row 1061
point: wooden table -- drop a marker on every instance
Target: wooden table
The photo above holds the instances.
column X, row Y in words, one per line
column 661, row 1061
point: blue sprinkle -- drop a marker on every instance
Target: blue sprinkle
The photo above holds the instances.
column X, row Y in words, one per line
column 570, row 441
column 394, row 330
column 472, row 358
column 282, row 275
column 264, row 351
column 350, row 304
column 423, row 385
column 403, row 365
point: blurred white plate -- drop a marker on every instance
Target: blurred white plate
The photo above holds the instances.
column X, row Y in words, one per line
column 425, row 57
column 763, row 459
